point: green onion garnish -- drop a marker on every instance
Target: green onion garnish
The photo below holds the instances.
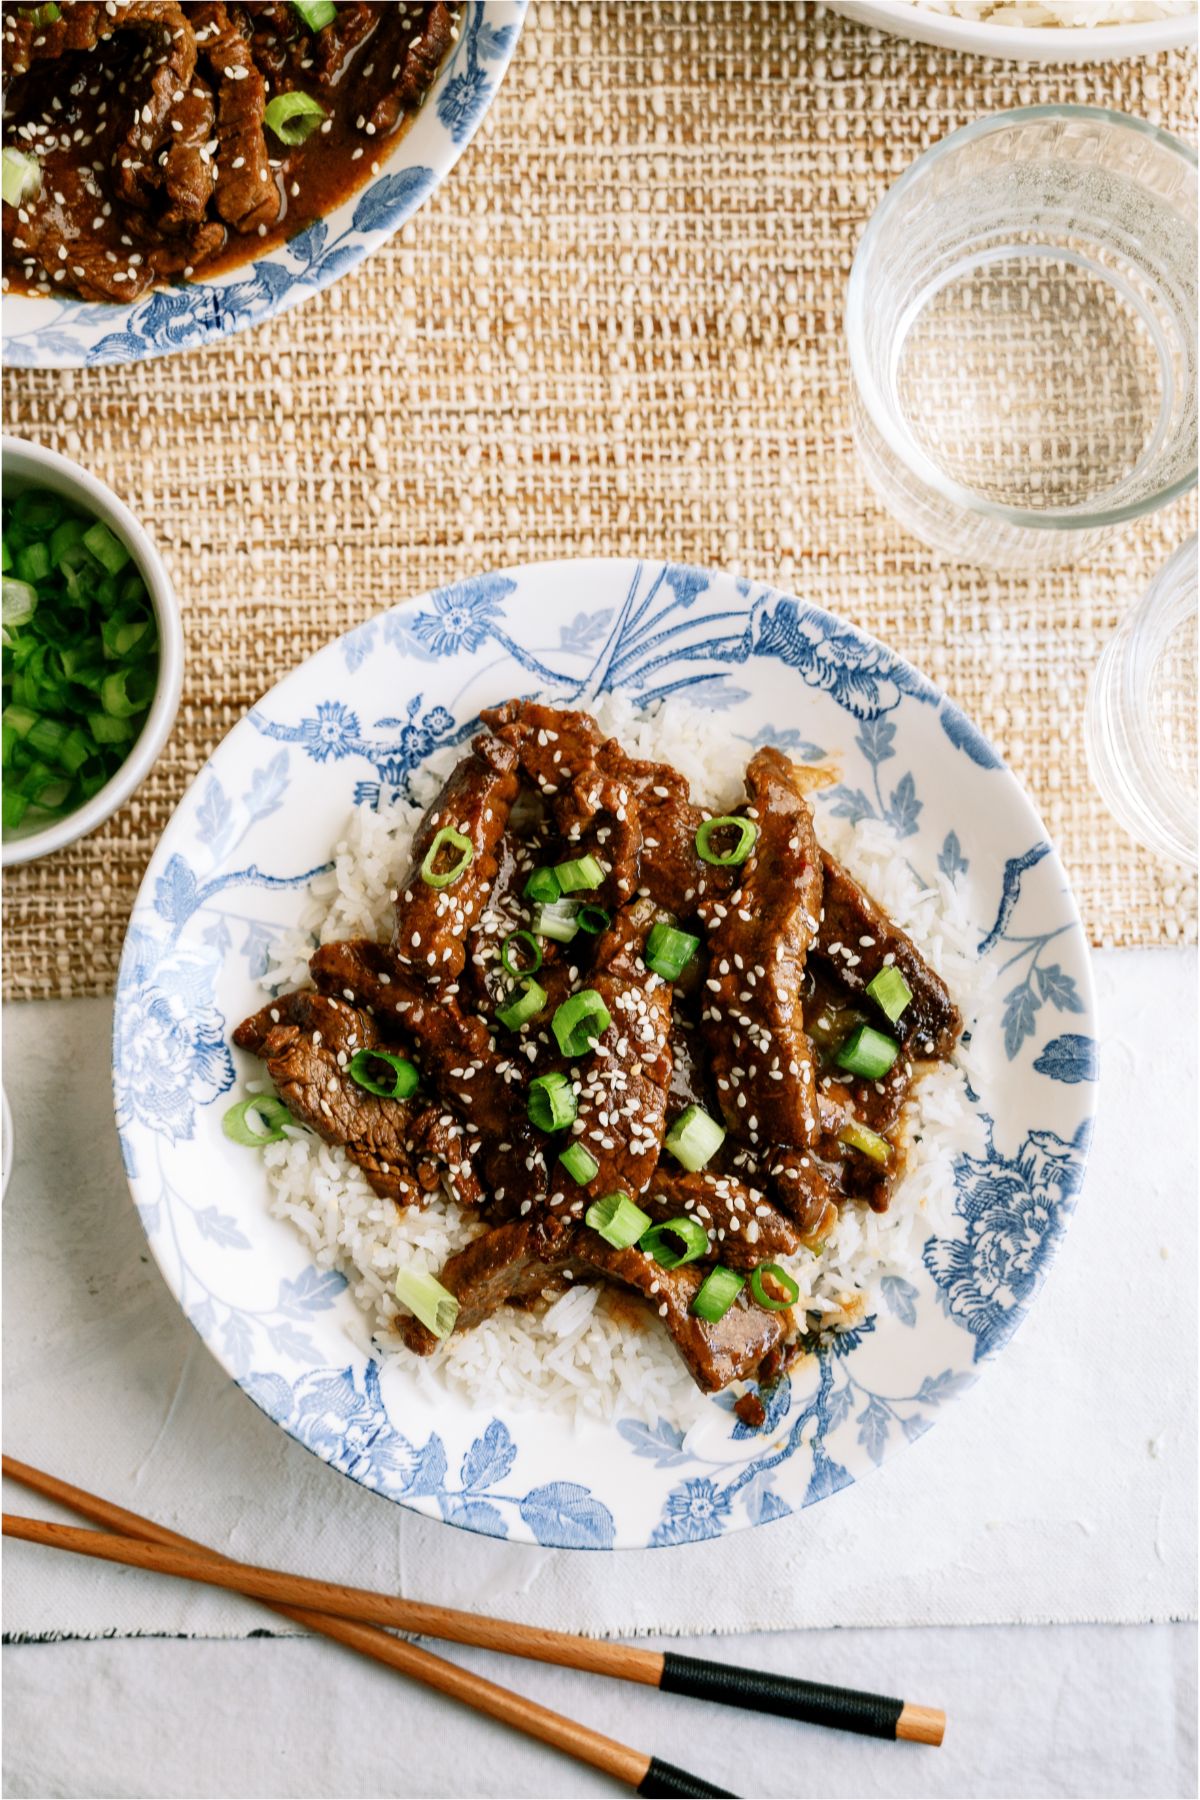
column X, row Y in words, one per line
column 868, row 1053
column 270, row 1113
column 42, row 15
column 80, row 655
column 782, row 1279
column 585, row 872
column 688, row 1232
column 20, row 177
column 716, row 1294
column 618, row 1221
column 593, row 919
column 531, row 997
column 551, row 1104
column 557, row 919
column 447, row 838
column 579, row 1020
column 542, row 885
column 747, row 832
column 867, row 1142
column 668, row 952
column 316, row 13
column 425, row 1296
column 890, row 992
column 508, row 953
column 293, row 116
column 579, row 1163
column 694, row 1138
column 403, row 1080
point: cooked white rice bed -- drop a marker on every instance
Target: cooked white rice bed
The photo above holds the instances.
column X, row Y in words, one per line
column 1072, row 14
column 594, row 1350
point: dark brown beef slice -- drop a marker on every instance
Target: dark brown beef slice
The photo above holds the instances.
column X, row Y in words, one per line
column 402, row 65
column 166, row 69
column 432, row 923
column 931, row 1022
column 463, row 1061
column 744, row 1228
column 247, row 194
column 78, row 27
column 519, row 1259
column 306, row 1041
column 758, row 938
column 189, row 177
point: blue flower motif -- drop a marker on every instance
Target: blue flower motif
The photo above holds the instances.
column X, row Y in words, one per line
column 695, row 1510
column 462, row 100
column 169, row 1049
column 1015, row 1211
column 333, row 733
column 863, row 677
column 348, row 1426
column 462, row 618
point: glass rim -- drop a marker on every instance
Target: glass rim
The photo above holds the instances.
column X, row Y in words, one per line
column 901, row 443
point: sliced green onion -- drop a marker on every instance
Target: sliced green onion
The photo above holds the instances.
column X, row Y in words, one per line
column 542, row 885
column 867, row 1142
column 558, row 919
column 782, row 1278
column 20, row 177
column 668, row 952
column 316, row 13
column 716, row 1294
column 42, row 15
column 694, row 1138
column 18, row 600
column 107, row 730
column 15, row 807
column 508, row 953
column 747, row 832
column 424, row 1296
column 890, row 992
column 33, row 562
column 444, row 878
column 585, row 872
column 66, row 539
column 551, row 1104
column 688, row 1232
column 593, row 919
column 127, row 691
column 618, row 1221
column 107, row 549
column 868, row 1053
column 579, row 1163
column 271, row 1114
column 293, row 117
column 531, row 997
column 579, row 1020
column 404, row 1074
column 20, row 720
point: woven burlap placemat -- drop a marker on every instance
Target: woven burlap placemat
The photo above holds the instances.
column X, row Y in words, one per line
column 615, row 329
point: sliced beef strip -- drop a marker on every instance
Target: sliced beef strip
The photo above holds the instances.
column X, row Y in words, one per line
column 432, row 923
column 553, row 745
column 247, row 193
column 166, row 70
column 407, row 64
column 332, row 48
column 758, row 938
column 482, row 1078
column 521, row 1258
column 857, row 940
column 744, row 1228
column 78, row 27
column 306, row 1041
column 188, row 176
column 803, row 1186
column 51, row 235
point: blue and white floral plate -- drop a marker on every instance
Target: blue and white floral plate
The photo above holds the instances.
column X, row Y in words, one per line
column 348, row 727
column 67, row 334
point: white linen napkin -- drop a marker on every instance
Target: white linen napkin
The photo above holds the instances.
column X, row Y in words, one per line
column 1061, row 1488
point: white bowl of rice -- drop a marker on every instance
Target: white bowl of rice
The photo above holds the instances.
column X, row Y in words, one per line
column 1067, row 31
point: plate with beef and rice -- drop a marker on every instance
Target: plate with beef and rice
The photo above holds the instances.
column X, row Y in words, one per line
column 174, row 172
column 604, row 1053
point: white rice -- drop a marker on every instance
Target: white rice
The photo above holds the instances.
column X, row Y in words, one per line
column 1072, row 13
column 595, row 1351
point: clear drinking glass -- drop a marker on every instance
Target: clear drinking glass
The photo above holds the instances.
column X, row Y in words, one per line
column 1141, row 721
column 1021, row 320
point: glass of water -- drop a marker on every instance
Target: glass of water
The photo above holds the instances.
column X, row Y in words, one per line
column 1141, row 721
column 1021, row 320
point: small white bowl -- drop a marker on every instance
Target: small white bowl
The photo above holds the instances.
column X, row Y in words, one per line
column 28, row 465
column 1023, row 43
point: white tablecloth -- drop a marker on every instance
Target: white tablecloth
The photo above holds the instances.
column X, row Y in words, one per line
column 1060, row 1489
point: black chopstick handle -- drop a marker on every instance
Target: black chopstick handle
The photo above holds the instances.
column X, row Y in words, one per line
column 665, row 1778
column 872, row 1715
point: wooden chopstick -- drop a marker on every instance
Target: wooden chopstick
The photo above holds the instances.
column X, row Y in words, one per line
column 646, row 1774
column 813, row 1702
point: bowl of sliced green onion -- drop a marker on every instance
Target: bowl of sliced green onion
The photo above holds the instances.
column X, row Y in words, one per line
column 92, row 652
